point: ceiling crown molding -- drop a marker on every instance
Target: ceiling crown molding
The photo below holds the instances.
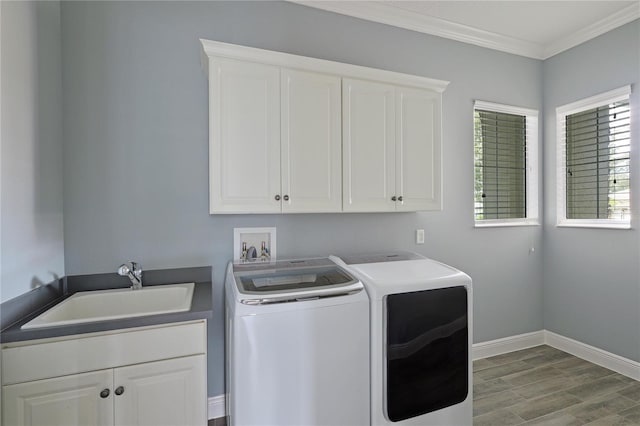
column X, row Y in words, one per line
column 624, row 16
column 386, row 13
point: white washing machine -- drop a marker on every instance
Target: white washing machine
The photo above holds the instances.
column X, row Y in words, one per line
column 297, row 345
column 421, row 326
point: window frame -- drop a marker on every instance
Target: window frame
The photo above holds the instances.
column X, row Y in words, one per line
column 620, row 94
column 531, row 165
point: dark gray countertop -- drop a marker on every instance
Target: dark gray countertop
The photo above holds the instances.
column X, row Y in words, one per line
column 201, row 305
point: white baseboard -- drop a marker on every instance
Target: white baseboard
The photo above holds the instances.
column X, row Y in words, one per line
column 217, row 407
column 589, row 353
column 507, row 344
column 595, row 355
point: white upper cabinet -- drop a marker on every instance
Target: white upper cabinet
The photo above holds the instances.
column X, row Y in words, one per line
column 292, row 134
column 275, row 140
column 244, row 125
column 391, row 147
column 418, row 150
column 311, row 154
column 368, row 146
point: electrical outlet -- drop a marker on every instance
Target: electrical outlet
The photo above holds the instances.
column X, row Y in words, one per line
column 419, row 236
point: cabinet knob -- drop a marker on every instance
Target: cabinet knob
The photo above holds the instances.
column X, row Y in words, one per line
column 119, row 390
column 393, row 198
column 286, row 198
column 400, row 198
column 277, row 197
column 104, row 393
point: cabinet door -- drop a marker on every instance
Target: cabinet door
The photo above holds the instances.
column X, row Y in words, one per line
column 311, row 142
column 61, row 401
column 244, row 151
column 418, row 149
column 171, row 392
column 368, row 129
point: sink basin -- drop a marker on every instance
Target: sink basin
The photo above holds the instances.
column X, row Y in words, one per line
column 102, row 305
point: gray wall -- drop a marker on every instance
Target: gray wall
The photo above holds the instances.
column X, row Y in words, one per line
column 135, row 127
column 592, row 276
column 32, row 250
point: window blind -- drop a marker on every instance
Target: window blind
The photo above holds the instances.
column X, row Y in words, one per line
column 597, row 144
column 500, row 165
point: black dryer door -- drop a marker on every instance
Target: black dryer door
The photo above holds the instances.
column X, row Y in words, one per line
column 427, row 351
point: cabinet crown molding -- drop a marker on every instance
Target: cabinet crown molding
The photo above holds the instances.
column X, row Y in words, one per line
column 212, row 49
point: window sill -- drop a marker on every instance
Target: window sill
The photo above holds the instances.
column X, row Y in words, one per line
column 490, row 223
column 593, row 224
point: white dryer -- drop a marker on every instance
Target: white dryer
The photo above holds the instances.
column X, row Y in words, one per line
column 421, row 326
column 297, row 345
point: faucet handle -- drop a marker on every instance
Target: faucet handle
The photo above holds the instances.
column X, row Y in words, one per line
column 130, row 268
column 124, row 270
column 133, row 271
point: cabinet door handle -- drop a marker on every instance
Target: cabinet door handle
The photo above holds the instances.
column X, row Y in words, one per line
column 393, row 198
column 277, row 197
column 104, row 393
column 400, row 198
column 119, row 390
column 286, row 198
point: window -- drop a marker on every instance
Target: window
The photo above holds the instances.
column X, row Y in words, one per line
column 506, row 171
column 593, row 161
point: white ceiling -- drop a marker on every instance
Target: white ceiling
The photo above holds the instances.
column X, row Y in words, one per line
column 537, row 29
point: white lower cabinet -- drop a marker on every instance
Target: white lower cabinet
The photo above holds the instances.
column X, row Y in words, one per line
column 161, row 393
column 148, row 392
column 60, row 401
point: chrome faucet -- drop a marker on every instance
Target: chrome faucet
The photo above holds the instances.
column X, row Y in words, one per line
column 132, row 270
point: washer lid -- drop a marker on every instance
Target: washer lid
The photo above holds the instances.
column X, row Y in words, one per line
column 290, row 281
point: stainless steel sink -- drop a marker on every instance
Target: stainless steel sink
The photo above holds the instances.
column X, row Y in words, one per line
column 102, row 305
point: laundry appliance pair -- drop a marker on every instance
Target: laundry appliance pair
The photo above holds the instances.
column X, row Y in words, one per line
column 352, row 340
